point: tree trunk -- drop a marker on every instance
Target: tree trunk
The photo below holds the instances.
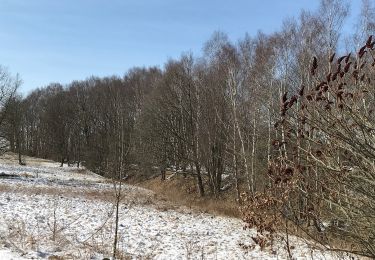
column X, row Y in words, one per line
column 118, row 197
column 235, row 168
column 19, row 152
column 199, row 179
column 253, row 156
column 219, row 172
column 163, row 171
column 236, row 124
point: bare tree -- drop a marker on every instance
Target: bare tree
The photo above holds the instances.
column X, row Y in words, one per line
column 8, row 88
column 336, row 146
column 14, row 126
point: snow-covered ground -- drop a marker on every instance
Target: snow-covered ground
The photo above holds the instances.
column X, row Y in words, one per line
column 48, row 212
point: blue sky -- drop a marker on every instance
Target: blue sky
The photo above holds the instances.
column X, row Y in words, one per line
column 60, row 41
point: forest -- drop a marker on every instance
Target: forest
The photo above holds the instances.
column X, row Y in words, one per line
column 287, row 117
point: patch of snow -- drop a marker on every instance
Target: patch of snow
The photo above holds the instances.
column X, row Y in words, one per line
column 56, row 224
column 6, row 254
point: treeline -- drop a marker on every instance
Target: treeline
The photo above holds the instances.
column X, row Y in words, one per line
column 209, row 115
column 80, row 123
column 236, row 112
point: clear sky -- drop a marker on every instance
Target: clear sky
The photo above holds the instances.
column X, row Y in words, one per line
column 60, row 41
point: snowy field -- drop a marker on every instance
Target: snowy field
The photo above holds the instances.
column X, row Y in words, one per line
column 48, row 212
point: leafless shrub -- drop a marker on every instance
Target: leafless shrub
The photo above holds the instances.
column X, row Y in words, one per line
column 323, row 179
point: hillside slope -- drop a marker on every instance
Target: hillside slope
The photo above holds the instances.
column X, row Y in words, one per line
column 48, row 212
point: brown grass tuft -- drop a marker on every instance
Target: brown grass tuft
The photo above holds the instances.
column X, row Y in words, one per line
column 182, row 191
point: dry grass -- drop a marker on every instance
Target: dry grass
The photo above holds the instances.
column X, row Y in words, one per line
column 52, row 191
column 182, row 191
column 55, row 257
column 106, row 195
column 12, row 158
